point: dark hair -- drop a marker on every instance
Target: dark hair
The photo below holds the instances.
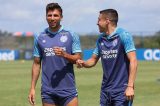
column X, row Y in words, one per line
column 111, row 14
column 53, row 6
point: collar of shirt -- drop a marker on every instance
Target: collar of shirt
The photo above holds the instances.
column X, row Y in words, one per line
column 53, row 33
column 113, row 34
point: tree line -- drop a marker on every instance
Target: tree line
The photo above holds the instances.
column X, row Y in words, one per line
column 88, row 41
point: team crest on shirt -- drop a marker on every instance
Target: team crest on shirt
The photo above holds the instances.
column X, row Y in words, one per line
column 64, row 38
column 114, row 43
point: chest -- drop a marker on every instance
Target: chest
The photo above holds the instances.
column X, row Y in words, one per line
column 110, row 48
column 57, row 40
column 110, row 44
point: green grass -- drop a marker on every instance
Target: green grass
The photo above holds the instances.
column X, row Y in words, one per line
column 15, row 77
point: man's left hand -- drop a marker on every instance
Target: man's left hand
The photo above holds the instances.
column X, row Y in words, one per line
column 129, row 93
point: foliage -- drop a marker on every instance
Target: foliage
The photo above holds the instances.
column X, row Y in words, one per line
column 5, row 33
column 87, row 41
column 151, row 41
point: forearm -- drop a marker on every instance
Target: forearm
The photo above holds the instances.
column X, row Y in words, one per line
column 132, row 72
column 72, row 58
column 91, row 62
column 35, row 75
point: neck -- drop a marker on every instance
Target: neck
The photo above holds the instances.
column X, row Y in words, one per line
column 110, row 30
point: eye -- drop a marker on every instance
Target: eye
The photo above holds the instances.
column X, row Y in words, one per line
column 49, row 15
column 56, row 15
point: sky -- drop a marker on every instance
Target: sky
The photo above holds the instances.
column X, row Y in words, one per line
column 80, row 16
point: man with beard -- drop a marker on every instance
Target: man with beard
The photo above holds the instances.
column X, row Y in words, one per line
column 56, row 49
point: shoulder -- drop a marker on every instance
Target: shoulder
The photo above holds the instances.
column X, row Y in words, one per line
column 40, row 34
column 73, row 34
column 127, row 40
column 100, row 36
column 65, row 29
column 123, row 34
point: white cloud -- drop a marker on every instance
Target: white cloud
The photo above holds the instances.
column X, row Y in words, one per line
column 81, row 16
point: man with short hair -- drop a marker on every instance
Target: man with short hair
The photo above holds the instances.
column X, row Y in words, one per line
column 116, row 49
column 56, row 49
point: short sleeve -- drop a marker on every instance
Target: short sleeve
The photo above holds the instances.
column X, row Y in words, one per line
column 36, row 51
column 128, row 42
column 76, row 45
column 96, row 50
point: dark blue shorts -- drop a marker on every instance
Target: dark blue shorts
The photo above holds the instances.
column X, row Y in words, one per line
column 114, row 98
column 59, row 97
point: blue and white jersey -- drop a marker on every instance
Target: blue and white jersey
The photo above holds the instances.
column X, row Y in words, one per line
column 113, row 49
column 57, row 72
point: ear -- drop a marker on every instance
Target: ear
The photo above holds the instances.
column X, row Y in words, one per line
column 61, row 17
column 107, row 21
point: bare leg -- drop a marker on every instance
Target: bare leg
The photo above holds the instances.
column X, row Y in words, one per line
column 73, row 102
column 46, row 104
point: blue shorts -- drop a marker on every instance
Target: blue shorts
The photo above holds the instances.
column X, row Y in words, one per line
column 60, row 97
column 114, row 98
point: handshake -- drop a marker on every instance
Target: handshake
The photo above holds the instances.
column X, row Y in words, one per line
column 88, row 63
column 80, row 63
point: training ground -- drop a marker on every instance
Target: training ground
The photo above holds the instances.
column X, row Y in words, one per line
column 15, row 77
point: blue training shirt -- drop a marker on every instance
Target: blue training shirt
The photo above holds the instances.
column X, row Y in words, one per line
column 76, row 46
column 113, row 49
column 126, row 38
column 57, row 72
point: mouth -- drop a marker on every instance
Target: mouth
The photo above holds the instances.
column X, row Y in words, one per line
column 53, row 24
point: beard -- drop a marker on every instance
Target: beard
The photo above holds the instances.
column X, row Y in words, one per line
column 101, row 30
column 54, row 25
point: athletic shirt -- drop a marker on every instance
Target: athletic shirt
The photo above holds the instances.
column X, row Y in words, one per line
column 57, row 72
column 113, row 51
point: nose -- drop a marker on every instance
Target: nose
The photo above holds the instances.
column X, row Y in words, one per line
column 97, row 23
column 52, row 17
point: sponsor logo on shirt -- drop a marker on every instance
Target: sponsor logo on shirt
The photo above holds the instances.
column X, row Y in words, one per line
column 109, row 53
column 50, row 51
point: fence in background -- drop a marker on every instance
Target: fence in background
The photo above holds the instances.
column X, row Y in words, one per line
column 142, row 54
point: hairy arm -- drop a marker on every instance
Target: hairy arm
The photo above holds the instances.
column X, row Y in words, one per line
column 89, row 63
column 35, row 71
column 70, row 57
column 132, row 75
column 35, row 75
column 132, row 68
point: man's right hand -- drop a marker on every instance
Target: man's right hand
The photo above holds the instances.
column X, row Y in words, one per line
column 31, row 97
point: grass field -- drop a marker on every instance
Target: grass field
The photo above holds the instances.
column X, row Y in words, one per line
column 15, row 82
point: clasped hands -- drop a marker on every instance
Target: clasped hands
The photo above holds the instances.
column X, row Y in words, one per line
column 80, row 63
